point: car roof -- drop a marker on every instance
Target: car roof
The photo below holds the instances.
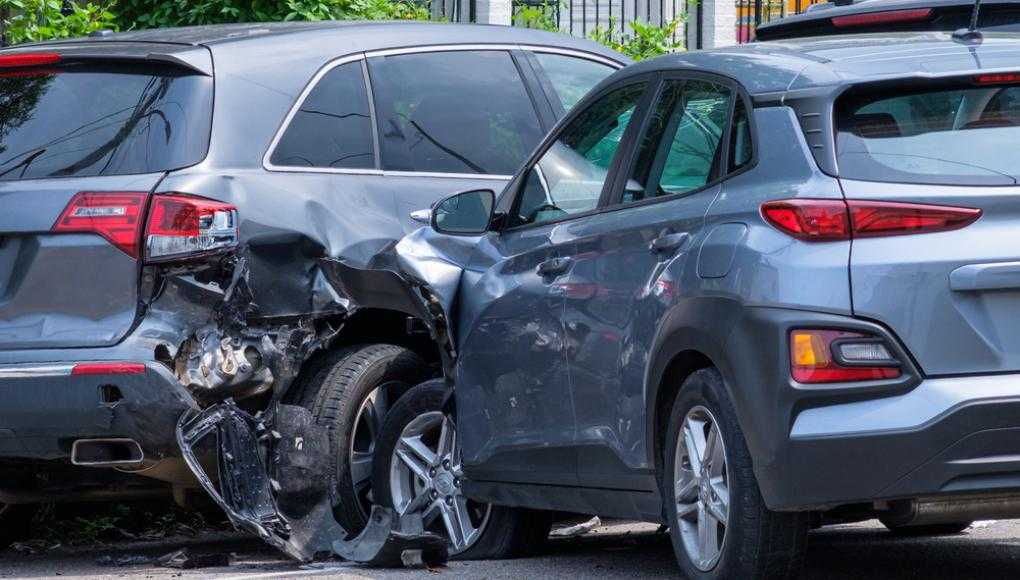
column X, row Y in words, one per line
column 332, row 38
column 788, row 65
column 827, row 10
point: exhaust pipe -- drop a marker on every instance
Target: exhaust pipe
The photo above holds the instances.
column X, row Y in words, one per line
column 106, row 452
column 953, row 510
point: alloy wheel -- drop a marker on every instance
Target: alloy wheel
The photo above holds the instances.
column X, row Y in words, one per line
column 367, row 426
column 701, row 488
column 426, row 475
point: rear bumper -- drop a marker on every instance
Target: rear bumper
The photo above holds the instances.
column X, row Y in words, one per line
column 946, row 436
column 46, row 409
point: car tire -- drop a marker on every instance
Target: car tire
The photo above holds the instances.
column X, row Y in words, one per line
column 351, row 397
column 930, row 530
column 15, row 522
column 502, row 532
column 719, row 524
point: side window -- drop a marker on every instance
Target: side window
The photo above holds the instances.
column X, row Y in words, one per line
column 569, row 177
column 741, row 147
column 681, row 147
column 571, row 77
column 333, row 127
column 453, row 112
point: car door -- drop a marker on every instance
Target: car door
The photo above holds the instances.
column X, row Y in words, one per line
column 630, row 264
column 515, row 411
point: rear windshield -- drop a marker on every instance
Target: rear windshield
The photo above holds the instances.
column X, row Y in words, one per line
column 949, row 136
column 110, row 120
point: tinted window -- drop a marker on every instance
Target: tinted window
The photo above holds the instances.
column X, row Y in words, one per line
column 333, row 127
column 964, row 136
column 110, row 120
column 741, row 147
column 571, row 77
column 569, row 177
column 453, row 112
column 680, row 148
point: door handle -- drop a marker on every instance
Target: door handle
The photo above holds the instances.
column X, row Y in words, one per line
column 668, row 243
column 554, row 267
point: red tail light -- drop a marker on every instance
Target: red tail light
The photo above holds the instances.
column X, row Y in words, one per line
column 835, row 356
column 882, row 18
column 115, row 216
column 29, row 59
column 108, row 368
column 829, row 220
column 184, row 225
column 997, row 79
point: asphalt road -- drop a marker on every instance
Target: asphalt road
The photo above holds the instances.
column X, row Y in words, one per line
column 989, row 551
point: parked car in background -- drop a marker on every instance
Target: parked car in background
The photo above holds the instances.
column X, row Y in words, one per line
column 739, row 292
column 864, row 16
column 165, row 199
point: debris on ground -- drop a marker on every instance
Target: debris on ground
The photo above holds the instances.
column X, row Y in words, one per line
column 186, row 559
column 390, row 541
column 577, row 529
column 124, row 560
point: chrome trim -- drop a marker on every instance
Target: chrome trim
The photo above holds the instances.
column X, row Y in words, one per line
column 138, row 449
column 364, row 56
column 25, row 371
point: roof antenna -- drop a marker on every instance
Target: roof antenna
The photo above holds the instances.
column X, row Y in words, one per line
column 971, row 35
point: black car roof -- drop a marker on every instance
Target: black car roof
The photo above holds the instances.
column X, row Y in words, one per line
column 773, row 67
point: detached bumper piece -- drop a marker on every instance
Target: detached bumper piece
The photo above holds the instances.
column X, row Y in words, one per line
column 390, row 541
column 273, row 481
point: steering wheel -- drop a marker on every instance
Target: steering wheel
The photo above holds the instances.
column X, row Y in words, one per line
column 533, row 216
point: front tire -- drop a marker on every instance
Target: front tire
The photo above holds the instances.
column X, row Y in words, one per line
column 719, row 523
column 418, row 468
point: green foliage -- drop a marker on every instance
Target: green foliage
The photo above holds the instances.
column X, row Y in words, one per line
column 647, row 41
column 538, row 16
column 34, row 20
column 161, row 13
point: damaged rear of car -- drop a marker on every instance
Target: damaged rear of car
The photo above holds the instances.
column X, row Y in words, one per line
column 174, row 206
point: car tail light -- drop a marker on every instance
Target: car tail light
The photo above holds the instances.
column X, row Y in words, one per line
column 829, row 220
column 836, row 356
column 108, row 368
column 882, row 18
column 997, row 79
column 183, row 226
column 117, row 216
column 29, row 59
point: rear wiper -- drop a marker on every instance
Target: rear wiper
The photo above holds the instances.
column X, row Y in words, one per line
column 24, row 162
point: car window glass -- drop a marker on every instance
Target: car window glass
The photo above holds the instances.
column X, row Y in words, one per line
column 741, row 147
column 571, row 77
column 569, row 177
column 453, row 112
column 681, row 144
column 333, row 127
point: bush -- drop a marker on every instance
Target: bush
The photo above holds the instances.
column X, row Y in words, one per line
column 161, row 13
column 538, row 16
column 647, row 41
column 34, row 20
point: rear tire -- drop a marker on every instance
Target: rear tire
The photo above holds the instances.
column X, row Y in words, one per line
column 350, row 395
column 15, row 522
column 503, row 532
column 719, row 523
column 928, row 530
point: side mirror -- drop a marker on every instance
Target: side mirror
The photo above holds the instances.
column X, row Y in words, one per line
column 464, row 214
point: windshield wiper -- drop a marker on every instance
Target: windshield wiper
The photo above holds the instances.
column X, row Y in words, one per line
column 24, row 162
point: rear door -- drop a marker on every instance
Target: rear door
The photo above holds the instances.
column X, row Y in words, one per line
column 81, row 139
column 949, row 287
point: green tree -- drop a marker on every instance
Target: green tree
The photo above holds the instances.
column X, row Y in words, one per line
column 34, row 20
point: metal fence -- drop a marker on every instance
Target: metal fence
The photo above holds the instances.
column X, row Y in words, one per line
column 751, row 13
column 585, row 17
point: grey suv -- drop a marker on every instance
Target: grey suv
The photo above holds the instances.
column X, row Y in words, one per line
column 166, row 198
column 741, row 292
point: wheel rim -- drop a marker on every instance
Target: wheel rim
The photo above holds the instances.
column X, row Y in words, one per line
column 425, row 476
column 367, row 426
column 701, row 488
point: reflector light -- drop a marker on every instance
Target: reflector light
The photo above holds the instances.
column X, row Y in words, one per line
column 831, row 220
column 184, row 225
column 998, row 79
column 881, row 18
column 108, row 368
column 28, row 59
column 812, row 361
column 117, row 216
